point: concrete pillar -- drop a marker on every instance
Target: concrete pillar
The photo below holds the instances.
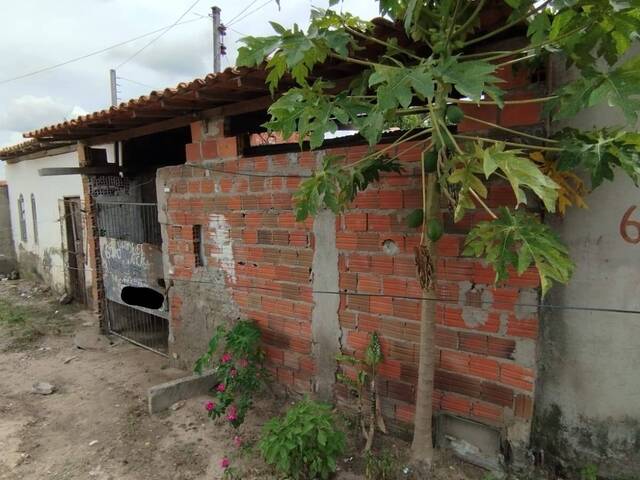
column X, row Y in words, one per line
column 325, row 325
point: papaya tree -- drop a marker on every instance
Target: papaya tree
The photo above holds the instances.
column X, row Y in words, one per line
column 447, row 64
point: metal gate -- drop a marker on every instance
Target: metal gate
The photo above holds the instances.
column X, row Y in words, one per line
column 138, row 327
column 132, row 223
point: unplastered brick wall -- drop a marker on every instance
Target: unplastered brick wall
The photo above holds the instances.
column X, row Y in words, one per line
column 485, row 337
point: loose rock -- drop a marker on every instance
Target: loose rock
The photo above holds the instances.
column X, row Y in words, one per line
column 43, row 388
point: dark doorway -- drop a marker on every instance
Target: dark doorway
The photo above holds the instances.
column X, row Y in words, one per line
column 75, row 249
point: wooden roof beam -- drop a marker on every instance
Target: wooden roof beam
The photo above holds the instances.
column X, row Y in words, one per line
column 235, row 108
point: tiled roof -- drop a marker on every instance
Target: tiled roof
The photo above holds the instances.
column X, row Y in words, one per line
column 230, row 86
column 33, row 145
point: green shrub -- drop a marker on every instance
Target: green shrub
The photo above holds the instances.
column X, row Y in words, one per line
column 304, row 444
column 237, row 359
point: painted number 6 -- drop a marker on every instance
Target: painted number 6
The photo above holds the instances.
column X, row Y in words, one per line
column 626, row 225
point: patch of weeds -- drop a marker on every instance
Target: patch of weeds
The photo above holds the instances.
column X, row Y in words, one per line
column 590, row 472
column 381, row 466
column 21, row 325
column 10, row 314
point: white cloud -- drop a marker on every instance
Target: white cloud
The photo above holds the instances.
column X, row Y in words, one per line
column 29, row 112
column 180, row 55
column 68, row 29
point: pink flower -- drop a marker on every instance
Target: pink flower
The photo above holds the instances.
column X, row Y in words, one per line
column 226, row 358
column 243, row 363
column 209, row 406
column 232, row 413
column 224, row 463
column 237, row 441
column 233, row 372
column 220, row 387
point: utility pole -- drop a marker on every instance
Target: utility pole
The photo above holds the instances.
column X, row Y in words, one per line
column 215, row 15
column 114, row 103
column 114, row 88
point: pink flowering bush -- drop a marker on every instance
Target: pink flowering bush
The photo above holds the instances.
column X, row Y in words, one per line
column 239, row 369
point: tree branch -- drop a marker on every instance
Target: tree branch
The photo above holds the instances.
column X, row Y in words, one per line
column 515, row 132
column 507, row 26
column 397, row 142
column 513, row 144
column 484, row 205
column 506, row 102
column 470, row 20
column 382, row 42
column 358, row 61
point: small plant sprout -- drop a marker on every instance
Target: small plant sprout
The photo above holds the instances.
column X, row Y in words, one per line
column 364, row 385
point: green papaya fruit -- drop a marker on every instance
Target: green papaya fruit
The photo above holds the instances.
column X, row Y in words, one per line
column 434, row 229
column 414, row 219
column 430, row 158
column 454, row 114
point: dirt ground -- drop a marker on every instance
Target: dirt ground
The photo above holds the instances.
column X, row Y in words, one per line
column 96, row 424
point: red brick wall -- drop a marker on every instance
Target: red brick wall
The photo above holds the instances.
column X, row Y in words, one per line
column 486, row 344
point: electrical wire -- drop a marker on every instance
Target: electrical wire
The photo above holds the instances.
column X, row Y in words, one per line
column 445, row 301
column 237, row 31
column 243, row 10
column 249, row 13
column 136, row 82
column 91, row 54
column 163, row 32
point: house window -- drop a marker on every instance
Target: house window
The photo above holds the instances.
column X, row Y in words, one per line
column 34, row 214
column 22, row 218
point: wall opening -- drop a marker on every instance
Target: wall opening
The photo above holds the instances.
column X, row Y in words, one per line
column 22, row 218
column 142, row 297
column 34, row 215
column 198, row 245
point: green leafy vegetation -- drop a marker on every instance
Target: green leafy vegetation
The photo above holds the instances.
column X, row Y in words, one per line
column 334, row 186
column 305, row 443
column 11, row 315
column 239, row 370
column 363, row 384
column 518, row 239
column 599, row 152
column 590, row 472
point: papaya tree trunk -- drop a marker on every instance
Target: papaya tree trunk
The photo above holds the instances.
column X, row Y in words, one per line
column 422, row 445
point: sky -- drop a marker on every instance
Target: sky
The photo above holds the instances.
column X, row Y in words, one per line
column 43, row 33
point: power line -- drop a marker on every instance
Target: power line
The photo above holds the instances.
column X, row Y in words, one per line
column 250, row 13
column 445, row 301
column 90, row 54
column 237, row 31
column 159, row 35
column 243, row 10
column 136, row 82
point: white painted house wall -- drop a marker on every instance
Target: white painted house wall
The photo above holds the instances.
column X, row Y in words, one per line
column 23, row 178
